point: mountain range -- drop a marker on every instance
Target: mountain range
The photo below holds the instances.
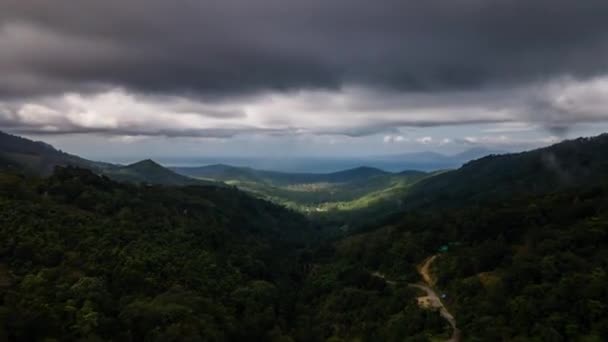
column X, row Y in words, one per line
column 513, row 247
column 422, row 161
column 361, row 189
column 313, row 193
column 228, row 173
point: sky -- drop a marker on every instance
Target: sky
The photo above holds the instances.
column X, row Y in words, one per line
column 127, row 79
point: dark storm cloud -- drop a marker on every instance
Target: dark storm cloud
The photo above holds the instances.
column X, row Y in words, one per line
column 222, row 48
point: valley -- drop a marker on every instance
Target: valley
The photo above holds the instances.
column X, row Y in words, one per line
column 518, row 247
column 316, row 194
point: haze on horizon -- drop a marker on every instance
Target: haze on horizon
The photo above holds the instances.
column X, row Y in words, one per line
column 120, row 80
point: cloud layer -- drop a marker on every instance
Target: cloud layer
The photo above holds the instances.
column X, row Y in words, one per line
column 352, row 112
column 356, row 67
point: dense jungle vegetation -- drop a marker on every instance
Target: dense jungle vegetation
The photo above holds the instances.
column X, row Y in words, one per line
column 521, row 244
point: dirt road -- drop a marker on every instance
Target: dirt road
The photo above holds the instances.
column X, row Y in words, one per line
column 433, row 300
column 425, row 270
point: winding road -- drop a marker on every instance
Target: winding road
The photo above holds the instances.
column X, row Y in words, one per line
column 434, row 300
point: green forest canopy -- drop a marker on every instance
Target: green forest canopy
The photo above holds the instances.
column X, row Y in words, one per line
column 85, row 257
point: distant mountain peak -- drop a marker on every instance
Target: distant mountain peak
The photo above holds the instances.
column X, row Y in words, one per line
column 146, row 163
column 360, row 171
column 365, row 168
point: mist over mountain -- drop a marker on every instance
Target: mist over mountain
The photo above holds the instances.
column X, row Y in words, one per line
column 570, row 164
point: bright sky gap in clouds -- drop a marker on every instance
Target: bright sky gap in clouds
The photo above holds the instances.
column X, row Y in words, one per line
column 119, row 78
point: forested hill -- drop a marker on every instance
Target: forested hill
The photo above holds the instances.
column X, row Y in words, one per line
column 149, row 172
column 84, row 257
column 532, row 268
column 565, row 165
column 37, row 158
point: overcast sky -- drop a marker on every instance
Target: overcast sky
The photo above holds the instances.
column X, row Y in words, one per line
column 128, row 78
